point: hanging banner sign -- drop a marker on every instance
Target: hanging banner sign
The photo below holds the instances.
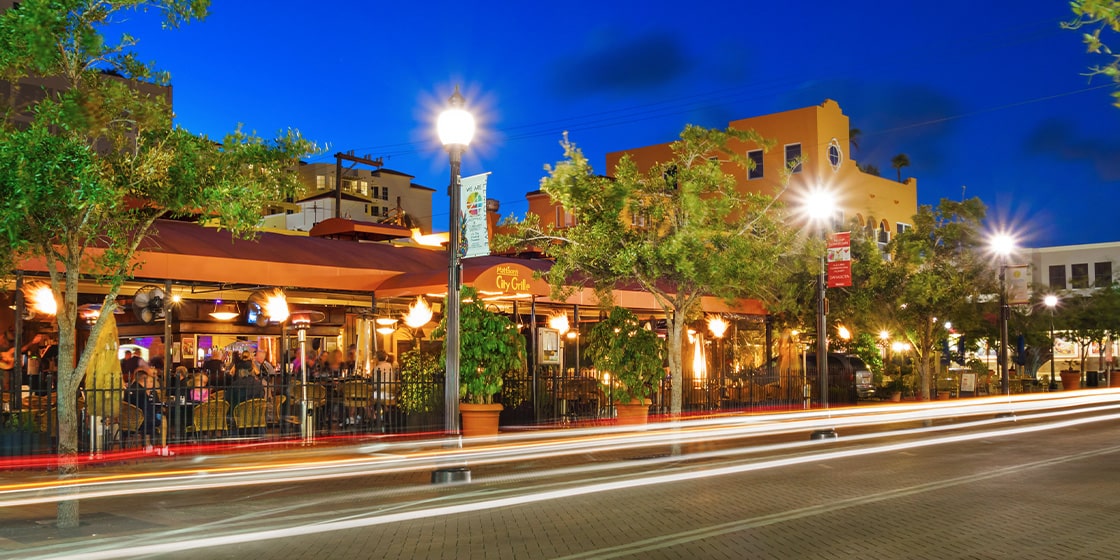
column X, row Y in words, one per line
column 1018, row 284
column 475, row 235
column 840, row 260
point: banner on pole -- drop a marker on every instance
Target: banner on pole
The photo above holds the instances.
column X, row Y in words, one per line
column 1018, row 284
column 475, row 236
column 840, row 260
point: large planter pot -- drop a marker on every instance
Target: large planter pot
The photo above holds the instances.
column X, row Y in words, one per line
column 1114, row 379
column 480, row 419
column 634, row 413
column 1071, row 380
column 896, row 396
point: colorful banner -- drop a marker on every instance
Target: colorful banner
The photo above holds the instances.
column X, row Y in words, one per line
column 475, row 235
column 1018, row 284
column 840, row 260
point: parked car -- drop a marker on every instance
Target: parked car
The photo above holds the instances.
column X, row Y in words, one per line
column 849, row 379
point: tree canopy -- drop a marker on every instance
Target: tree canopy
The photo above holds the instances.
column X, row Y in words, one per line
column 1100, row 20
column 680, row 229
column 88, row 167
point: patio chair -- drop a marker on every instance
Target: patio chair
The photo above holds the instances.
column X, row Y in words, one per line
column 250, row 417
column 356, row 397
column 210, row 417
column 129, row 420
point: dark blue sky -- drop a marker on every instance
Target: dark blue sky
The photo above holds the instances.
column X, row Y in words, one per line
column 988, row 96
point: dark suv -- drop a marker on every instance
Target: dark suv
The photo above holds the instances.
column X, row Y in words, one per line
column 849, row 380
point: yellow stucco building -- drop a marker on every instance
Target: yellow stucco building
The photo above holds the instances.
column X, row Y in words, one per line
column 820, row 136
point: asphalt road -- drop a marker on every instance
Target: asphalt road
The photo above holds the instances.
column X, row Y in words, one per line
column 994, row 491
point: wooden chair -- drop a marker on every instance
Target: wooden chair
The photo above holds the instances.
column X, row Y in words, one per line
column 218, row 395
column 278, row 407
column 210, row 417
column 250, row 416
column 129, row 420
column 356, row 398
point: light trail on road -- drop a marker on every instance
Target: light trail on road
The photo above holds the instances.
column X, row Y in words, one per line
column 183, row 540
column 398, row 457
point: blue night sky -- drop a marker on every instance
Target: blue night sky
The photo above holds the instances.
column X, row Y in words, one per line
column 987, row 95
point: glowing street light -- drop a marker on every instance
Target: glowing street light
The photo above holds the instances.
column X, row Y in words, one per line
column 456, row 128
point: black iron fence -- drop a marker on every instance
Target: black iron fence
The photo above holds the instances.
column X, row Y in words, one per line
column 279, row 408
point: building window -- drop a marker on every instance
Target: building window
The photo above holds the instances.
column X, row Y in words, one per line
column 1079, row 275
column 384, row 211
column 564, row 219
column 901, row 228
column 1102, row 274
column 320, row 182
column 884, row 233
column 384, row 193
column 835, row 155
column 756, row 170
column 793, row 154
column 363, row 187
column 1058, row 277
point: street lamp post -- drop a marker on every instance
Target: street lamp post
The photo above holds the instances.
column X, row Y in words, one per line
column 456, row 128
column 820, row 208
column 1051, row 301
column 1003, row 245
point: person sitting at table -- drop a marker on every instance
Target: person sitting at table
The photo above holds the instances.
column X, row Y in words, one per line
column 179, row 383
column 332, row 365
column 245, row 386
column 200, row 392
column 144, row 394
column 261, row 366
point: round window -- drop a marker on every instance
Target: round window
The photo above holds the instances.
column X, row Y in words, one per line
column 835, row 156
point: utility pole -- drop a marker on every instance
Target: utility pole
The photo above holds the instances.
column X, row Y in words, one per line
column 348, row 156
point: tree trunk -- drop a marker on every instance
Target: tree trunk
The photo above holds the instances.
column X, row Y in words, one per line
column 676, row 367
column 67, row 391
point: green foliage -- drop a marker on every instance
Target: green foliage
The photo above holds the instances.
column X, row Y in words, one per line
column 418, row 381
column 22, row 421
column 680, row 229
column 84, row 181
column 632, row 355
column 1090, row 318
column 490, row 346
column 931, row 273
column 1101, row 17
column 867, row 347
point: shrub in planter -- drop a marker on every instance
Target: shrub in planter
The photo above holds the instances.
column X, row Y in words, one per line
column 632, row 355
column 490, row 346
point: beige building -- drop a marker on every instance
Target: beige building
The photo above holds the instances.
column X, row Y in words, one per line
column 377, row 195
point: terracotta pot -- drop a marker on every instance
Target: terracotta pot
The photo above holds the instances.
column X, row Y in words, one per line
column 633, row 414
column 1071, row 380
column 1114, row 379
column 480, row 419
column 896, row 396
column 943, row 395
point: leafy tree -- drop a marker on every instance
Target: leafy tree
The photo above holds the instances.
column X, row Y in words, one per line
column 100, row 161
column 1100, row 16
column 680, row 229
column 854, row 135
column 928, row 273
column 898, row 162
column 870, row 169
column 1091, row 319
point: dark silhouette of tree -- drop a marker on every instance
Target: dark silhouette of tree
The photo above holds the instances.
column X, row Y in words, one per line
column 898, row 162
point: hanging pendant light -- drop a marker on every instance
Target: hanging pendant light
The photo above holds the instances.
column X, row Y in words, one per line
column 225, row 311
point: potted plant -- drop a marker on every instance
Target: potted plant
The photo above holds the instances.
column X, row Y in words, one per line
column 490, row 346
column 1071, row 377
column 896, row 386
column 619, row 346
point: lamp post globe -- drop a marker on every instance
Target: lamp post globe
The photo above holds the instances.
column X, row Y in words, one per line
column 456, row 129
